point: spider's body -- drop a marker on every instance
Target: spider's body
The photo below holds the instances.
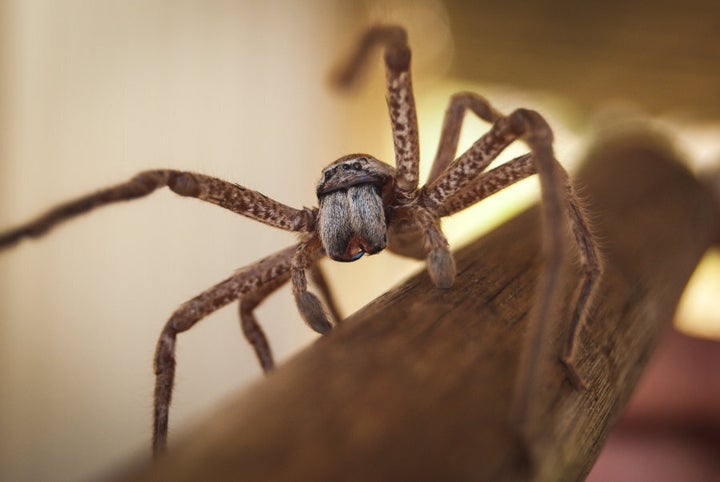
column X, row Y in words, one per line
column 365, row 206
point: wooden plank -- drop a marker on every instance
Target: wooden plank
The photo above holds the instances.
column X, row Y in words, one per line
column 418, row 385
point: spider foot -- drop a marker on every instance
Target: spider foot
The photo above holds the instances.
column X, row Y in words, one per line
column 312, row 312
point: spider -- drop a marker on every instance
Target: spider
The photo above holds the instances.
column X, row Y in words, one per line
column 366, row 206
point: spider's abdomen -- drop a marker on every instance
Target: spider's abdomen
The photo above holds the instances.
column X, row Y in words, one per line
column 351, row 222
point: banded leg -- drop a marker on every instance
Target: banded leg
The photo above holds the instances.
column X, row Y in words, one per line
column 590, row 263
column 590, row 272
column 253, row 282
column 227, row 195
column 318, row 278
column 452, row 124
column 251, row 329
column 449, row 179
column 440, row 261
column 400, row 99
column 454, row 189
column 482, row 187
column 559, row 206
column 309, row 305
column 488, row 184
column 462, row 172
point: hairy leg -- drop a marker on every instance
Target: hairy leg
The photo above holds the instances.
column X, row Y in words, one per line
column 462, row 172
column 252, row 282
column 400, row 99
column 461, row 183
column 403, row 119
column 488, row 184
column 590, row 272
column 440, row 261
column 222, row 193
column 309, row 305
column 251, row 329
column 560, row 206
column 454, row 178
column 318, row 278
column 452, row 124
column 441, row 264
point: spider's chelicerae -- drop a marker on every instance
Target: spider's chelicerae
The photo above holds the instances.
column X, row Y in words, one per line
column 365, row 206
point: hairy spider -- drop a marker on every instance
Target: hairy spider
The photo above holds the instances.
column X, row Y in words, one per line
column 365, row 206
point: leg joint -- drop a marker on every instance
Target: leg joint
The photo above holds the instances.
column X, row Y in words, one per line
column 531, row 126
column 184, row 184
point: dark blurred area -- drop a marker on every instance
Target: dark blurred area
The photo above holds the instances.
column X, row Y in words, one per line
column 671, row 427
column 663, row 55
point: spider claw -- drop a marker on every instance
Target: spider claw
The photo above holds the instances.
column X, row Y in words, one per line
column 312, row 312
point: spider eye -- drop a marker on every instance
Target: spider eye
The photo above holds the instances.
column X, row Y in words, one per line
column 328, row 174
column 356, row 166
column 346, row 166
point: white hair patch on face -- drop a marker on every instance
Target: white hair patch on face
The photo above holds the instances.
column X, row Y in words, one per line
column 351, row 223
column 367, row 217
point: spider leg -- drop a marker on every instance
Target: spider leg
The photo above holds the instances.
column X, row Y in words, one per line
column 451, row 178
column 488, row 184
column 457, row 186
column 463, row 171
column 251, row 329
column 452, row 123
column 309, row 305
column 591, row 270
column 440, row 261
column 560, row 205
column 318, row 278
column 251, row 285
column 400, row 99
column 230, row 196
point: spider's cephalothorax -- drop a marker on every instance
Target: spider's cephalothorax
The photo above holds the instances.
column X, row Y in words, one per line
column 366, row 206
column 352, row 193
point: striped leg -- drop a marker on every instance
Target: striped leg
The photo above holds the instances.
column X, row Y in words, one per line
column 461, row 184
column 400, row 99
column 251, row 285
column 225, row 194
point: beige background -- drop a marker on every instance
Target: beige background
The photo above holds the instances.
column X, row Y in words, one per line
column 93, row 92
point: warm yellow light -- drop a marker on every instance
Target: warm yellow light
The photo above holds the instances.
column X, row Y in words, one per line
column 467, row 225
column 699, row 310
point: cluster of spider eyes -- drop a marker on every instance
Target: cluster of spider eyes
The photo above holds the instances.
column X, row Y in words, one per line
column 347, row 166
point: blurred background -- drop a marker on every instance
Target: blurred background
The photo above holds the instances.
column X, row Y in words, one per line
column 93, row 92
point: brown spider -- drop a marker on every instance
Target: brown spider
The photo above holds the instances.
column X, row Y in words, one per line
column 365, row 207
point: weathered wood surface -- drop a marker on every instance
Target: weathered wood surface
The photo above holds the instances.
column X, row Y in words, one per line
column 418, row 385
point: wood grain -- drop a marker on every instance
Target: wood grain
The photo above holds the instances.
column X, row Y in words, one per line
column 418, row 385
